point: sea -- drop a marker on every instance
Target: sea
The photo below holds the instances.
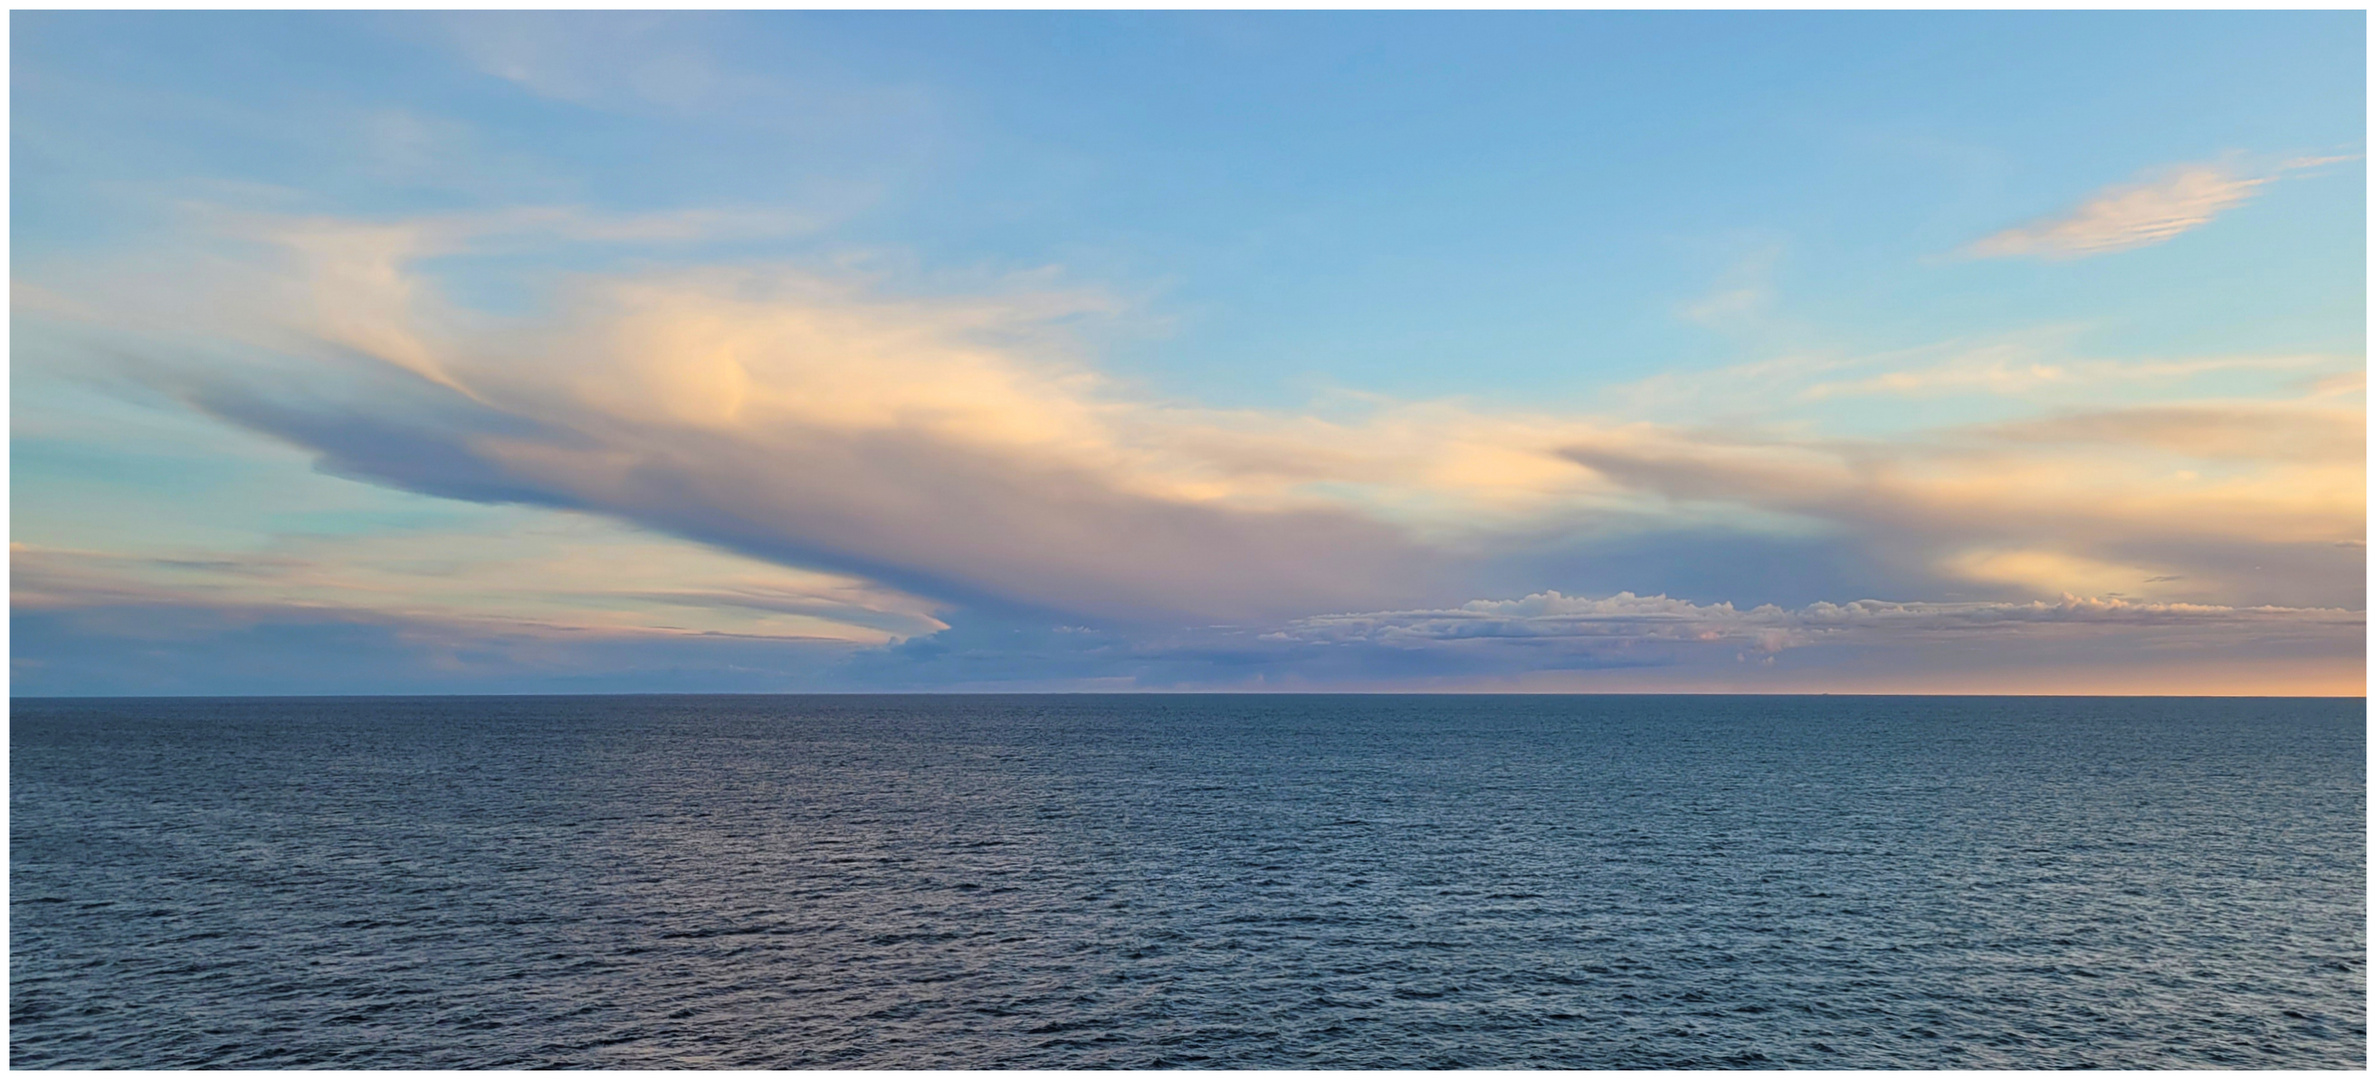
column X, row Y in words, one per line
column 1155, row 881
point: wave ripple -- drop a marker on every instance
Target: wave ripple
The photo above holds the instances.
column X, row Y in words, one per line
column 808, row 882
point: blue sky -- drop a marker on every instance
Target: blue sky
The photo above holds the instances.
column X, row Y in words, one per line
column 391, row 352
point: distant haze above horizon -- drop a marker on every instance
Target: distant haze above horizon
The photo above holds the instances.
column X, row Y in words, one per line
column 2011, row 352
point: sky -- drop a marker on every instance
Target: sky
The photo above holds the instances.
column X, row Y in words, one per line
column 2012, row 352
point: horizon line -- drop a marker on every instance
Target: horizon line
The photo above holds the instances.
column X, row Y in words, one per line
column 1163, row 693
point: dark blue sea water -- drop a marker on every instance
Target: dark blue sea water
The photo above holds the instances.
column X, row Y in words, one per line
column 1220, row 881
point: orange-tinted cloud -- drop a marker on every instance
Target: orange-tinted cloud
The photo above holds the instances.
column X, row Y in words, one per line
column 960, row 450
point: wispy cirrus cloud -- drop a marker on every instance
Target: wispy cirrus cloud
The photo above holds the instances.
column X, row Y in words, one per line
column 591, row 58
column 2137, row 214
column 2015, row 369
column 2037, row 366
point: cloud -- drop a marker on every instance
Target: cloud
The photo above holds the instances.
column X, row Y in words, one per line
column 956, row 446
column 2040, row 365
column 2016, row 369
column 1550, row 641
column 1553, row 642
column 572, row 579
column 587, row 58
column 1742, row 294
column 541, row 605
column 2125, row 216
column 1544, row 641
column 939, row 445
column 2229, row 431
column 2139, row 214
column 160, row 647
column 2007, row 481
column 697, row 69
column 2081, row 501
column 1768, row 628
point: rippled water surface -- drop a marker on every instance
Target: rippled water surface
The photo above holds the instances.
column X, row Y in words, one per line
column 1138, row 881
